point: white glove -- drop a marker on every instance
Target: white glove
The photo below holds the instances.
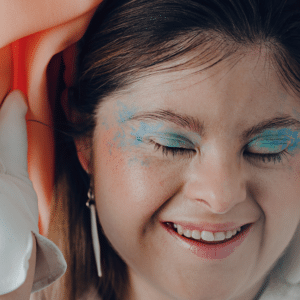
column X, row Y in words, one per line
column 19, row 206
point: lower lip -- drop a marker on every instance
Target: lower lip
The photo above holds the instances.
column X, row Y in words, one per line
column 219, row 250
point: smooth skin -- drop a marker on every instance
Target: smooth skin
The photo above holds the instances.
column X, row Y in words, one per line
column 215, row 180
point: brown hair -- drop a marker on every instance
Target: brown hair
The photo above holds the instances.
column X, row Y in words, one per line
column 126, row 40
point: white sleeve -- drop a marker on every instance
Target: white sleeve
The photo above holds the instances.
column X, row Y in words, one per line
column 19, row 207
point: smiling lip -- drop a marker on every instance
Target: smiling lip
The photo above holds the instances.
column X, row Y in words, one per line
column 216, row 250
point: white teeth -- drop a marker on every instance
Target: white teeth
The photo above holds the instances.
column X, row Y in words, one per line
column 196, row 235
column 187, row 233
column 206, row 235
column 228, row 234
column 179, row 229
column 219, row 236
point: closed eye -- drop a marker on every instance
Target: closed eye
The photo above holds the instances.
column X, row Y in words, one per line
column 172, row 150
column 267, row 157
column 263, row 157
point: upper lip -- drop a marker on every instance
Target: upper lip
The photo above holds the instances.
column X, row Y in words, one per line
column 212, row 227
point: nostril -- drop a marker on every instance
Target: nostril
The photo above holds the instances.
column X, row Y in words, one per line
column 218, row 186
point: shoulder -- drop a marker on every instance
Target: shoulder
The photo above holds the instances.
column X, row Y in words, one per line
column 278, row 288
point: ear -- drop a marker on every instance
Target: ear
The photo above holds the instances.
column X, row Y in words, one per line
column 84, row 151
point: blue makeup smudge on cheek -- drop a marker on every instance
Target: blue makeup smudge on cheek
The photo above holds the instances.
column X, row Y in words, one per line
column 105, row 125
column 140, row 134
column 143, row 162
column 123, row 142
column 146, row 162
column 132, row 161
column 120, row 138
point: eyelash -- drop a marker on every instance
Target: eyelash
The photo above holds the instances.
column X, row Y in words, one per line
column 173, row 150
column 264, row 157
column 268, row 157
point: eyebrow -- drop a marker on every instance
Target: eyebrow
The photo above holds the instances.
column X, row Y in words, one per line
column 184, row 121
column 195, row 125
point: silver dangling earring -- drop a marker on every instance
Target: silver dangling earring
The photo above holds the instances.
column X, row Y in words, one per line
column 95, row 237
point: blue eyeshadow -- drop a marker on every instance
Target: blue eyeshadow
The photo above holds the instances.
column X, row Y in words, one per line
column 276, row 140
column 164, row 137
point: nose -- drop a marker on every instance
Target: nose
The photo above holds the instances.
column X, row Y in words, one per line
column 218, row 182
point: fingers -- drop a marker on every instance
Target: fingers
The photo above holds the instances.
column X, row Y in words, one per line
column 13, row 134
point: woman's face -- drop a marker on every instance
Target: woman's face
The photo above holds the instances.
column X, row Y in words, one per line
column 211, row 152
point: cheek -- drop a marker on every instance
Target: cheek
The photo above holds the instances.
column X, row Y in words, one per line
column 129, row 187
column 278, row 197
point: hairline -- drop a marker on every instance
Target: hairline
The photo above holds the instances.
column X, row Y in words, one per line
column 237, row 52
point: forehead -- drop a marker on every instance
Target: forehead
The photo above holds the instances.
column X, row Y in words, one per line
column 234, row 92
